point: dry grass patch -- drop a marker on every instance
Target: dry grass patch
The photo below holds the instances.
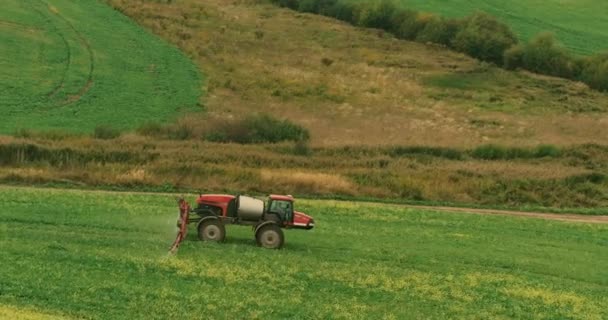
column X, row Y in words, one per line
column 352, row 86
column 310, row 182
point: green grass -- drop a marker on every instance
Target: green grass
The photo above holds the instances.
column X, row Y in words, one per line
column 581, row 25
column 73, row 65
column 103, row 256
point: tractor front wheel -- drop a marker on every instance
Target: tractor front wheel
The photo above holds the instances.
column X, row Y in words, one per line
column 270, row 237
column 211, row 230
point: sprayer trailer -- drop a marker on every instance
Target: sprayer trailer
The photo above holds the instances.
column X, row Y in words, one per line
column 267, row 218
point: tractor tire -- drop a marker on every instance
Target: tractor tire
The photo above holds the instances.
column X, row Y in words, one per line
column 270, row 237
column 211, row 230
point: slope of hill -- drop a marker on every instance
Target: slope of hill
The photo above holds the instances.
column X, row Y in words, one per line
column 361, row 86
column 73, row 65
column 581, row 25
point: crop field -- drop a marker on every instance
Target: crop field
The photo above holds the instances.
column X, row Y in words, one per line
column 73, row 65
column 581, row 25
column 99, row 255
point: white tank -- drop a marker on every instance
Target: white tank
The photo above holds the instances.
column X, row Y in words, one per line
column 250, row 208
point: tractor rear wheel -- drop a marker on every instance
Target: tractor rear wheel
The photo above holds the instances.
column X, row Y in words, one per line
column 211, row 230
column 270, row 237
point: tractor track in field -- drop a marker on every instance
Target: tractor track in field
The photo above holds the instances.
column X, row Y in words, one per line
column 564, row 217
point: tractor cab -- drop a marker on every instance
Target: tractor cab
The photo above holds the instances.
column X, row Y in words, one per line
column 282, row 206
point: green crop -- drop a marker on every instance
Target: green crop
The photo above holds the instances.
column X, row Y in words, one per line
column 580, row 25
column 76, row 65
column 101, row 255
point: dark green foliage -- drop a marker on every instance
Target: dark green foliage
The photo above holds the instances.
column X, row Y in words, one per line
column 261, row 128
column 544, row 55
column 483, row 37
column 495, row 152
column 405, row 24
column 439, row 30
column 514, row 57
column 105, row 132
column 446, row 153
column 378, row 15
column 595, row 72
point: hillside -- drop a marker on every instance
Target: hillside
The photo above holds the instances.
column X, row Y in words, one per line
column 352, row 86
column 74, row 65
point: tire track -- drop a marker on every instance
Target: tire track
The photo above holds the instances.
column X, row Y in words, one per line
column 91, row 57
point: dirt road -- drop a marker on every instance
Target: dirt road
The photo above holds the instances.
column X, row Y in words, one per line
column 525, row 214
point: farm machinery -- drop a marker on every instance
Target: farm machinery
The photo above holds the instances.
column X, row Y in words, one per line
column 267, row 218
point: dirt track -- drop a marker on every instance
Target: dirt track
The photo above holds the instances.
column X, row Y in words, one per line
column 537, row 215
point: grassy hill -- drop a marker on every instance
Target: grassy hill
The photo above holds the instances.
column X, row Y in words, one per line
column 74, row 254
column 352, row 86
column 581, row 25
column 73, row 65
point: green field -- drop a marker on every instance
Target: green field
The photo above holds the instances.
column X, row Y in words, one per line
column 97, row 255
column 581, row 25
column 73, row 65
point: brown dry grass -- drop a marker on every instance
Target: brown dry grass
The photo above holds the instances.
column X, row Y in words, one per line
column 566, row 180
column 373, row 89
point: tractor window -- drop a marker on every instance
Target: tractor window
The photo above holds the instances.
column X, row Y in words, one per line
column 283, row 208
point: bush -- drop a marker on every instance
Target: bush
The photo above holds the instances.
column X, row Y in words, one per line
column 485, row 38
column 495, row 152
column 377, row 15
column 595, row 72
column 105, row 132
column 547, row 150
column 256, row 129
column 405, row 24
column 514, row 57
column 439, row 152
column 439, row 30
column 544, row 55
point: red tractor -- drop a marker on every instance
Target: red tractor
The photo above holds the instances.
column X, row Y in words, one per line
column 214, row 211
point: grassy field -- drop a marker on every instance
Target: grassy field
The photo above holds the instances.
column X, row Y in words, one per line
column 351, row 86
column 73, row 65
column 581, row 25
column 75, row 254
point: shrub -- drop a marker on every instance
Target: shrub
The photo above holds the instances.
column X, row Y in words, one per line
column 446, row 153
column 547, row 150
column 261, row 128
column 483, row 37
column 514, row 57
column 377, row 15
column 595, row 72
column 342, row 10
column 405, row 24
column 105, row 132
column 264, row 128
column 439, row 30
column 544, row 55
